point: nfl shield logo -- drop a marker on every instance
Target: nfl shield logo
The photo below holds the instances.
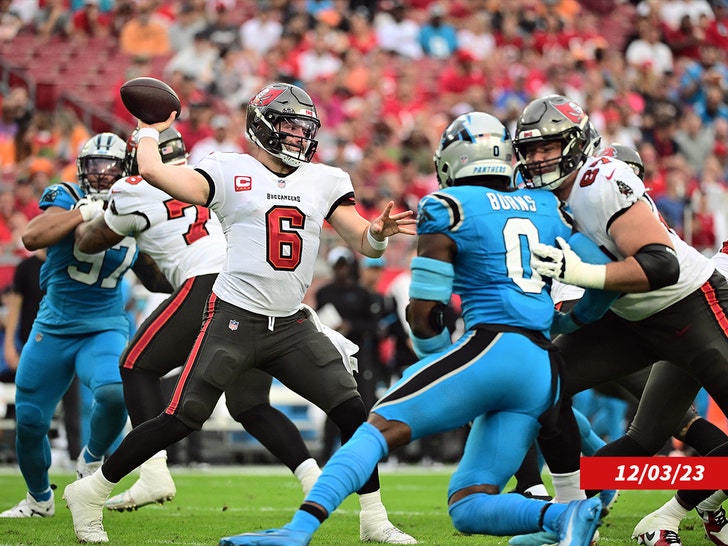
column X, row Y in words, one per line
column 233, row 325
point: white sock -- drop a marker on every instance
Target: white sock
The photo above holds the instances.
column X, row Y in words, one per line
column 99, row 484
column 371, row 503
column 567, row 487
column 713, row 502
column 307, row 473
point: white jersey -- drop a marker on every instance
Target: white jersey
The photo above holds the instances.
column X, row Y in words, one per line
column 184, row 240
column 273, row 226
column 605, row 187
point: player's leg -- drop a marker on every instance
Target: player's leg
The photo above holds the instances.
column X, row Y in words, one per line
column 45, row 372
column 248, row 401
column 310, row 365
column 496, row 442
column 218, row 356
column 161, row 343
column 97, row 367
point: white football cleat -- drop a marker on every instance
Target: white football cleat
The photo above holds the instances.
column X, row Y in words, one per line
column 385, row 533
column 86, row 507
column 31, row 508
column 155, row 485
column 716, row 526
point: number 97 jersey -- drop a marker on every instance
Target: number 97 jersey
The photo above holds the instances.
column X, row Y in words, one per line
column 494, row 232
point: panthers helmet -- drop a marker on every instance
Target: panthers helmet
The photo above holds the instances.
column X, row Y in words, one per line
column 171, row 148
column 101, row 163
column 548, row 119
column 274, row 113
column 624, row 153
column 475, row 149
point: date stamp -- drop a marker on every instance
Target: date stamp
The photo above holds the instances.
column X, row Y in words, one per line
column 654, row 472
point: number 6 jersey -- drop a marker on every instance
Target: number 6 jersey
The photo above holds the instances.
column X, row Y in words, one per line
column 273, row 225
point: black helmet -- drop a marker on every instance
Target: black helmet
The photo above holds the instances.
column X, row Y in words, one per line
column 624, row 153
column 276, row 106
column 171, row 148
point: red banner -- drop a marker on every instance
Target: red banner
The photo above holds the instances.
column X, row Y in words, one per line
column 654, row 473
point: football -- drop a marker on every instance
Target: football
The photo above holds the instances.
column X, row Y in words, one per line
column 149, row 99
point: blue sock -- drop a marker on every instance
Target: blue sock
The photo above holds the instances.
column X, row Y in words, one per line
column 499, row 515
column 349, row 468
column 590, row 441
column 44, row 496
column 303, row 521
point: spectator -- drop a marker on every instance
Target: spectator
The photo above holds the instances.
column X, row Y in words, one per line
column 143, row 35
column 220, row 141
column 398, row 33
column 54, row 20
column 26, row 198
column 438, row 38
column 648, row 49
column 475, row 36
column 318, row 60
column 261, row 32
column 361, row 34
column 183, row 29
column 195, row 126
column 11, row 21
column 694, row 140
column 90, row 22
column 714, row 107
column 195, row 60
column 697, row 75
column 672, row 204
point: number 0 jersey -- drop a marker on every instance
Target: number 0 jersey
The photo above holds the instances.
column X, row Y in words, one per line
column 82, row 291
column 604, row 188
column 184, row 240
column 494, row 232
column 273, row 226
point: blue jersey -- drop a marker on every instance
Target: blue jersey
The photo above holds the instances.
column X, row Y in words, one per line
column 494, row 232
column 82, row 292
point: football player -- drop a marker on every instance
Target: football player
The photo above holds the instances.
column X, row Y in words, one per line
column 272, row 205
column 81, row 327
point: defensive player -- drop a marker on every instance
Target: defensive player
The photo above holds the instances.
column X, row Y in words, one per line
column 674, row 303
column 474, row 235
column 80, row 328
column 272, row 205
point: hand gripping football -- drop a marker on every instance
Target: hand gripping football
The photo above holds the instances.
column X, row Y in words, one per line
column 149, row 99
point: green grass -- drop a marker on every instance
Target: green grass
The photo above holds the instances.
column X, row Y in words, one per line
column 224, row 501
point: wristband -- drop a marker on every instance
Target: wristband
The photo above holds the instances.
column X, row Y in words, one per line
column 375, row 244
column 150, row 132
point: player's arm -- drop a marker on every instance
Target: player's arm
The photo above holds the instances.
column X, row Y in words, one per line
column 96, row 236
column 149, row 274
column 370, row 238
column 13, row 304
column 56, row 222
column 179, row 181
column 430, row 291
column 651, row 261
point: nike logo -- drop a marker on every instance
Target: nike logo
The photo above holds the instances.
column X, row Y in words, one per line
column 611, row 175
column 681, row 331
column 650, row 535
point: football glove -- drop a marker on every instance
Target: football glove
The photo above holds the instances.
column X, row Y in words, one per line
column 90, row 208
column 562, row 263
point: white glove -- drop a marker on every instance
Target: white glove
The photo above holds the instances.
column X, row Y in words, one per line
column 564, row 264
column 90, row 208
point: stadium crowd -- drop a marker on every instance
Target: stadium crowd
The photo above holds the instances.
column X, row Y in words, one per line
column 388, row 77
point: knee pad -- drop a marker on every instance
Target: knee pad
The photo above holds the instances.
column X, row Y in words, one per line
column 347, row 416
column 111, row 395
column 30, row 422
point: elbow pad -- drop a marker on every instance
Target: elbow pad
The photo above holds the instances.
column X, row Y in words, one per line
column 660, row 264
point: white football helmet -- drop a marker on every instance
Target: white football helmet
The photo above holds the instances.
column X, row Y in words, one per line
column 101, row 163
column 553, row 118
column 475, row 149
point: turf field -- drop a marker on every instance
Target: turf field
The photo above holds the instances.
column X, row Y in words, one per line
column 223, row 501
